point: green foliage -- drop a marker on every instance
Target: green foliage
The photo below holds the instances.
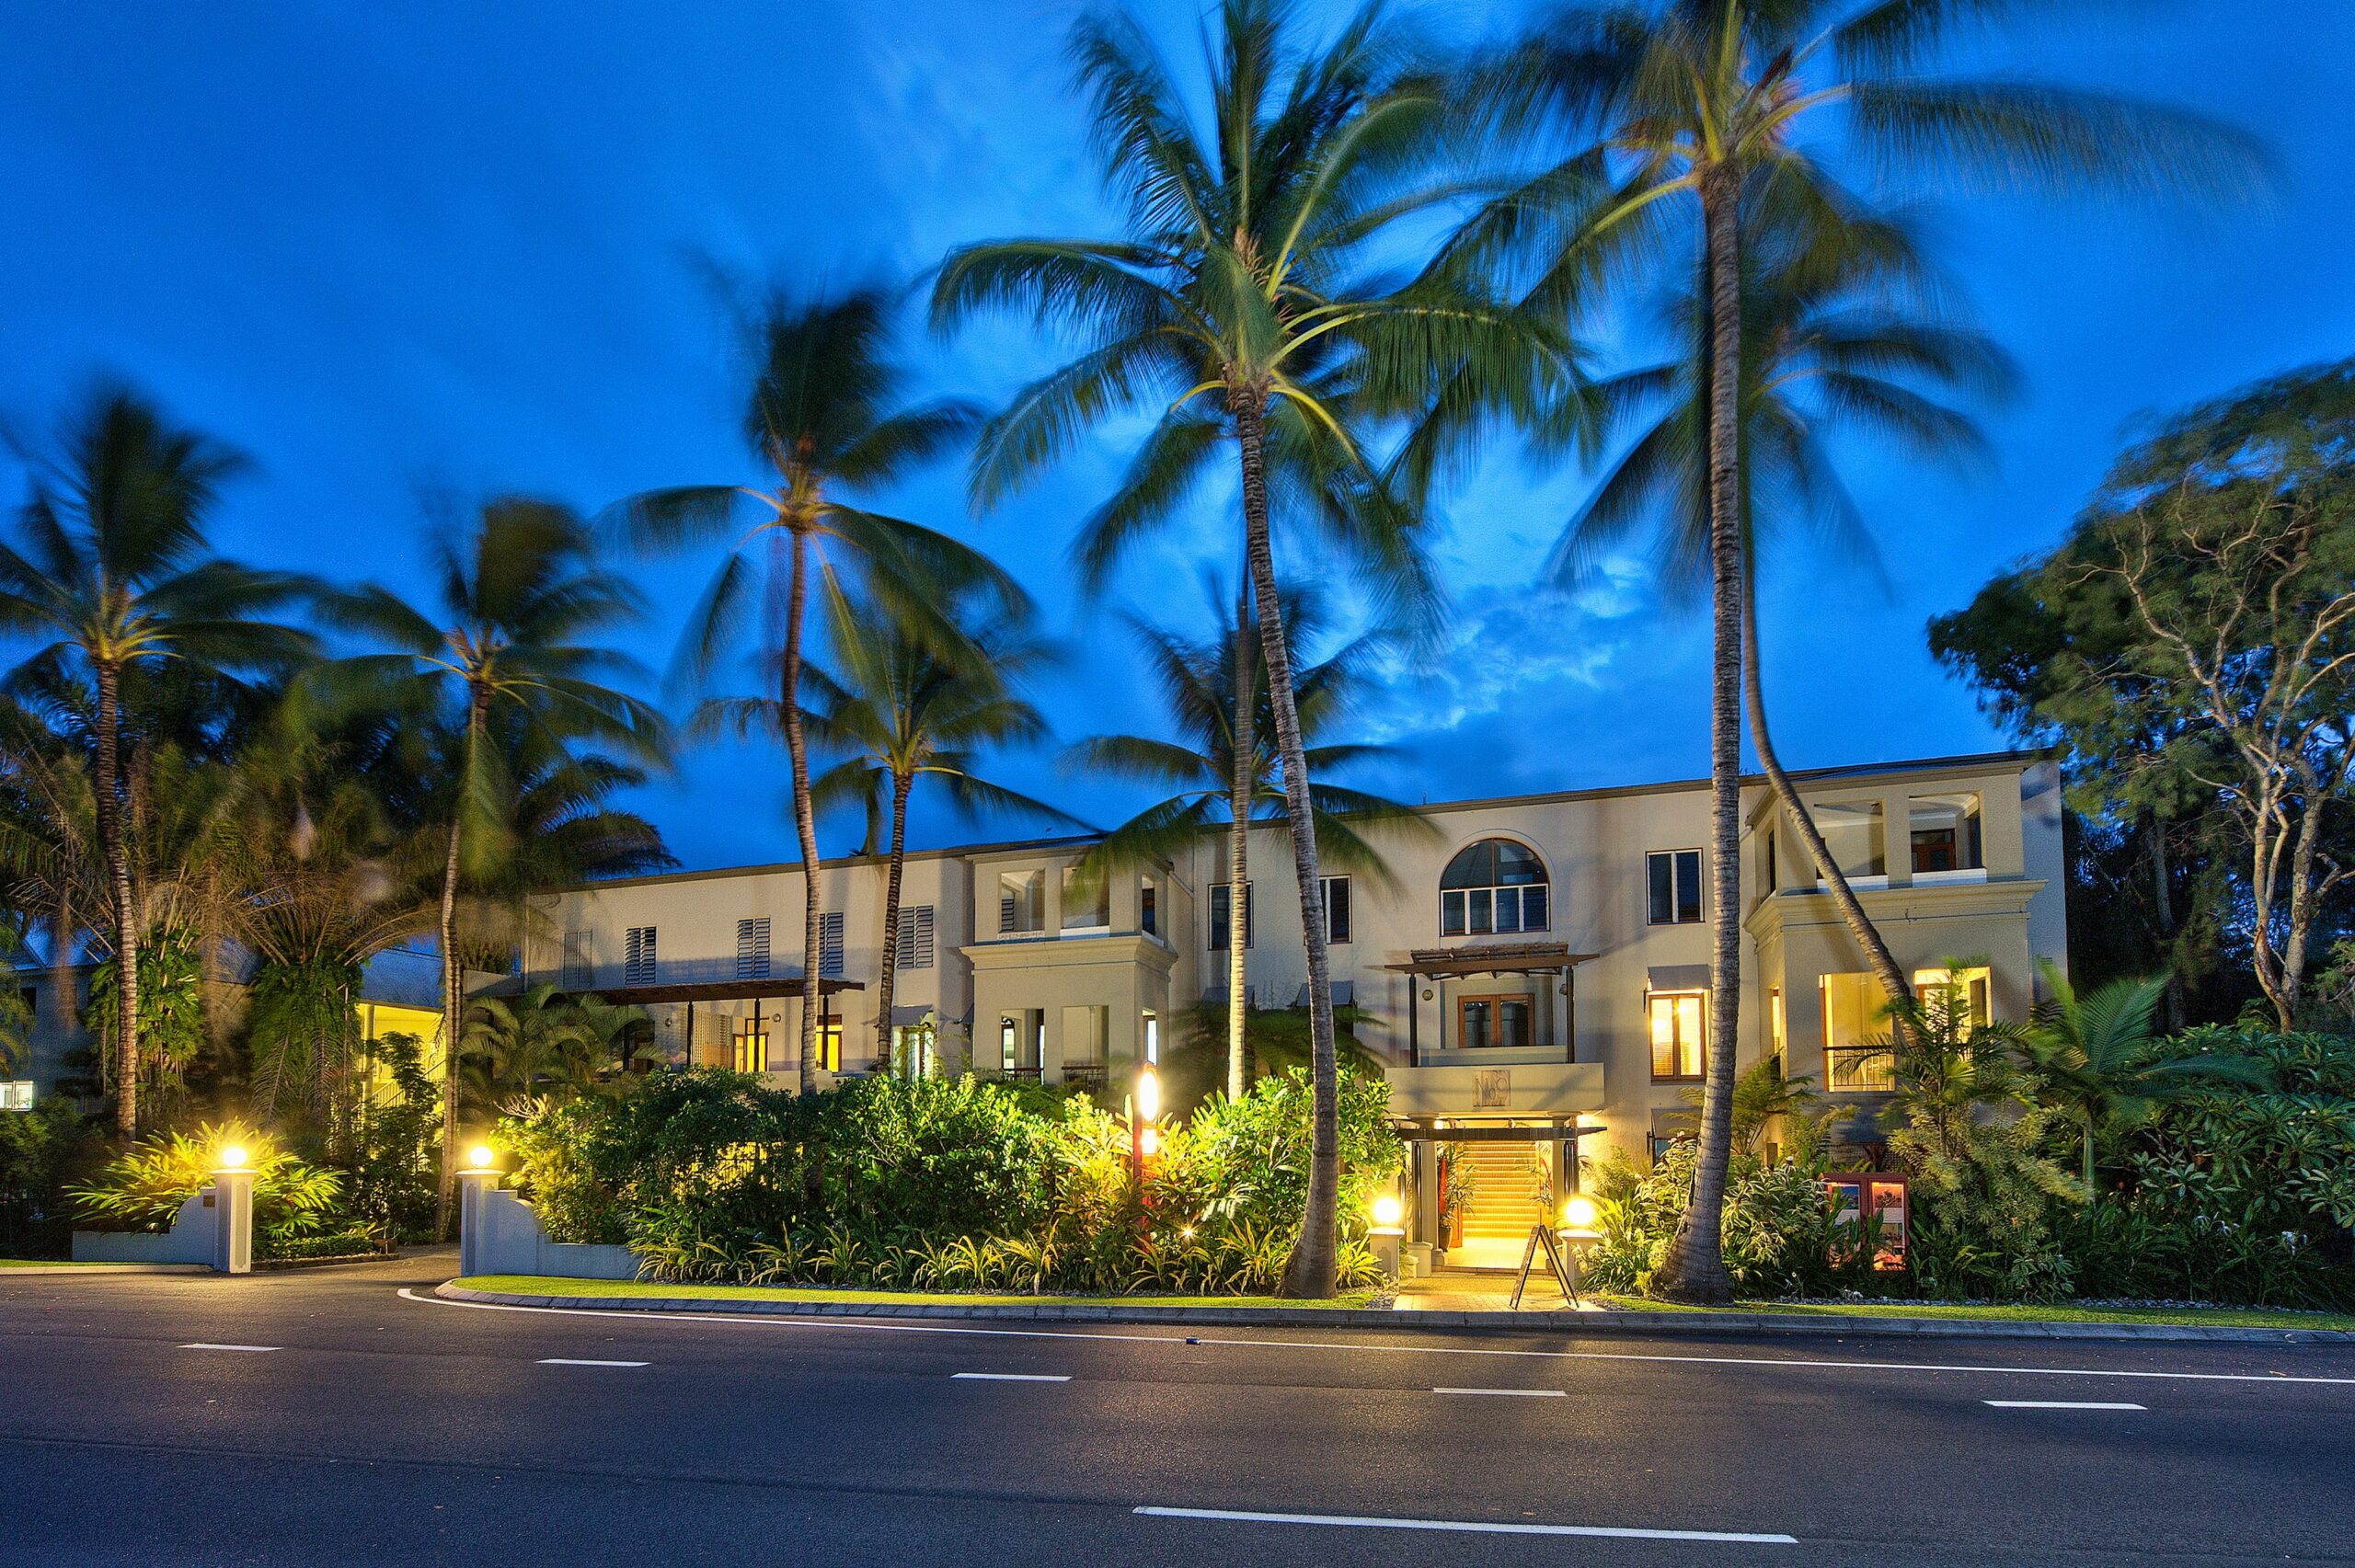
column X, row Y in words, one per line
column 302, row 1031
column 143, row 1190
column 171, row 1010
column 393, row 1154
column 37, row 1148
column 1781, row 1235
column 15, row 1030
column 946, row 1184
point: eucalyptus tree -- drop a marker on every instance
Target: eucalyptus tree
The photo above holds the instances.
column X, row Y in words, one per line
column 1696, row 99
column 504, row 663
column 1843, row 333
column 1243, row 307
column 107, row 572
column 897, row 711
column 828, row 419
column 1198, row 680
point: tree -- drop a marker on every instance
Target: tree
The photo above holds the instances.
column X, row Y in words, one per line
column 1841, row 330
column 110, row 571
column 543, row 1043
column 1702, row 97
column 826, row 419
column 505, row 654
column 1239, row 307
column 1198, row 680
column 2094, row 1055
column 898, row 711
column 2193, row 641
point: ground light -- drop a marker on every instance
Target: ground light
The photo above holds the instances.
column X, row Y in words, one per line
column 233, row 1158
column 1149, row 1095
column 1387, row 1209
column 1577, row 1214
column 479, row 1156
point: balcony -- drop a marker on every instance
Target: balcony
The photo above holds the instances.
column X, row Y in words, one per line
column 1519, row 1088
column 673, row 979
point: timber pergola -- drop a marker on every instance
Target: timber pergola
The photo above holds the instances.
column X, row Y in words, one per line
column 1502, row 958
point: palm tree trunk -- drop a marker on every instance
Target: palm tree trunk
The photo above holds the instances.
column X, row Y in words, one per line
column 1309, row 1271
column 126, row 933
column 805, row 820
column 1852, row 909
column 1242, row 780
column 452, row 1006
column 1694, row 1268
column 900, row 785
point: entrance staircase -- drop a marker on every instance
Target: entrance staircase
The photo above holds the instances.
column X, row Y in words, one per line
column 1508, row 1197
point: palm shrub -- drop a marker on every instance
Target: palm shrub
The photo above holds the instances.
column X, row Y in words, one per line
column 38, row 1149
column 143, row 1187
column 1781, row 1237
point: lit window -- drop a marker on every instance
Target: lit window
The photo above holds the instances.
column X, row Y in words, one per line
column 1496, row 886
column 1677, row 1042
column 1152, row 1036
column 1485, row 1021
column 830, row 1043
column 1673, row 881
column 1856, row 1058
column 752, row 1048
column 17, row 1094
column 1962, row 994
column 1149, row 908
column 1774, row 1036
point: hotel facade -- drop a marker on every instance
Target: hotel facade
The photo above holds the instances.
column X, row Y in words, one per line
column 1531, row 972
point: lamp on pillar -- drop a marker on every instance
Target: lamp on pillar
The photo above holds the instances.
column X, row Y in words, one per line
column 1388, row 1234
column 476, row 1181
column 233, row 1212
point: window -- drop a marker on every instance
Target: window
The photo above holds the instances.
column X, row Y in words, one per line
column 1337, row 908
column 1151, row 1022
column 1963, row 993
column 17, row 1094
column 830, row 1043
column 1148, row 908
column 1945, row 833
column 1218, row 914
column 1852, row 831
column 574, row 972
column 1677, row 1035
column 752, row 1040
column 829, row 944
column 1087, row 899
column 1021, row 902
column 1770, row 875
column 1857, row 1058
column 1485, row 1021
column 638, row 961
column 752, row 948
column 1672, row 879
column 913, row 948
column 1494, row 886
column 1017, row 1041
column 1774, row 1040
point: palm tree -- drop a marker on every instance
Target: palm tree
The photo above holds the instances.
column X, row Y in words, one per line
column 544, row 1042
column 1841, row 329
column 1198, row 680
column 899, row 711
column 110, row 571
column 826, row 419
column 2097, row 1055
column 1238, row 307
column 1701, row 97
column 503, row 665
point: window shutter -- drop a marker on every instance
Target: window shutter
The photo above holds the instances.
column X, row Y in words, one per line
column 575, row 973
column 913, row 947
column 639, row 958
column 752, row 948
column 829, row 944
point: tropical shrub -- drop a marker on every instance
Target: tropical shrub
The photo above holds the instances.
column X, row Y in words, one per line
column 38, row 1149
column 1781, row 1237
column 144, row 1189
column 948, row 1184
column 391, row 1157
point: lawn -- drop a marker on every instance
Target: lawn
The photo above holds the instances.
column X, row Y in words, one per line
column 2213, row 1317
column 537, row 1285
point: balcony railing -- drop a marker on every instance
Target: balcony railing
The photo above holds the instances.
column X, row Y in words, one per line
column 663, row 972
column 1088, row 1075
column 1859, row 1069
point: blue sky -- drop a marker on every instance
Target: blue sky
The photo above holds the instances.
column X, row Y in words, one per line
column 435, row 244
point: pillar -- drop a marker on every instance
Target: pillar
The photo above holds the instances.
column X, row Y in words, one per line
column 232, row 1223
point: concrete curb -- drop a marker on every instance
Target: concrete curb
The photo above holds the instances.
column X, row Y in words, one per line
column 79, row 1270
column 1690, row 1324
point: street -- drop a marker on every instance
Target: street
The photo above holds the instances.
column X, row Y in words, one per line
column 325, row 1416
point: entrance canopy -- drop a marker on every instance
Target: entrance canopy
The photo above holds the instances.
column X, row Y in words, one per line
column 1500, row 958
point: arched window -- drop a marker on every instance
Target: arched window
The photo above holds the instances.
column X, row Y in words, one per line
column 1494, row 885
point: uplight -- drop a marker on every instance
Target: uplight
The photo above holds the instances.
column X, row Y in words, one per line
column 479, row 1156
column 1149, row 1095
column 233, row 1158
column 1578, row 1214
column 1388, row 1210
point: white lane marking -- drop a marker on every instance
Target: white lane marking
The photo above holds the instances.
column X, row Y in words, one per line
column 1012, row 1377
column 1509, row 1393
column 202, row 1346
column 2058, row 1405
column 568, row 1361
column 1466, row 1527
column 1786, row 1363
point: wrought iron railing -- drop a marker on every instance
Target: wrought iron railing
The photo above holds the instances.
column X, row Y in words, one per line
column 1859, row 1069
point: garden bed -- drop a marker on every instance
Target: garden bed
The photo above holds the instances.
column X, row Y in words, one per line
column 656, row 1291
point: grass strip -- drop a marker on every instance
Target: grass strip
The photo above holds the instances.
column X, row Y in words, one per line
column 537, row 1285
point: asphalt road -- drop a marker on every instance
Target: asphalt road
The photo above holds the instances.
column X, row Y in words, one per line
column 141, row 1421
